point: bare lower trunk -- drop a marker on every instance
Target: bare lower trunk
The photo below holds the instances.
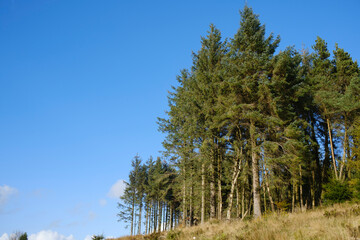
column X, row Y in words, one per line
column 237, row 202
column 212, row 192
column 344, row 153
column 159, row 216
column 191, row 217
column 301, row 191
column 332, row 148
column 268, row 188
column 219, row 184
column 242, row 201
column 140, row 214
column 184, row 198
column 312, row 189
column 264, row 191
column 235, row 175
column 293, row 198
column 171, row 218
column 132, row 215
column 202, row 193
column 146, row 219
column 255, row 173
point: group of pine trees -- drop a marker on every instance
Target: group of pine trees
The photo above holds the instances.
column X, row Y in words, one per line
column 250, row 131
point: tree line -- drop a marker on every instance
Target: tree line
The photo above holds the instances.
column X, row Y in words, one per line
column 250, row 131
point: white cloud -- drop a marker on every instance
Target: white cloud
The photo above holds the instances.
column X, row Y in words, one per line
column 49, row 235
column 102, row 202
column 5, row 193
column 4, row 237
column 117, row 190
column 88, row 237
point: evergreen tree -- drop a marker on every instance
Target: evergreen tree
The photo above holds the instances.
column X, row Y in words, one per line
column 250, row 58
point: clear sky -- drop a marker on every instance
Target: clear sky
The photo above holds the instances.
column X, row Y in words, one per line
column 82, row 83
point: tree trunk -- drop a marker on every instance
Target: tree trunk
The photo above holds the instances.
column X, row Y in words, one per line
column 326, row 164
column 301, row 191
column 159, row 215
column 219, row 167
column 132, row 215
column 156, row 207
column 313, row 189
column 242, row 202
column 293, row 198
column 332, row 148
column 191, row 211
column 235, row 175
column 202, row 193
column 268, row 190
column 237, row 201
column 344, row 152
column 171, row 217
column 184, row 197
column 212, row 192
column 255, row 173
column 140, row 215
column 264, row 190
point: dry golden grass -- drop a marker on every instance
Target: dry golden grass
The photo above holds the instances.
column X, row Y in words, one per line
column 336, row 222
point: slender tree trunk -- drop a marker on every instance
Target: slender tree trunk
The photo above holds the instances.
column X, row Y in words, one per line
column 237, row 201
column 165, row 219
column 255, row 173
column 344, row 152
column 312, row 189
column 219, row 156
column 148, row 212
column 212, row 192
column 242, row 202
column 326, row 164
column 202, row 193
column 264, row 191
column 293, row 198
column 191, row 211
column 132, row 215
column 159, row 215
column 171, row 217
column 184, row 197
column 268, row 190
column 332, row 148
column 266, row 181
column 301, row 191
column 317, row 171
column 140, row 215
column 235, row 175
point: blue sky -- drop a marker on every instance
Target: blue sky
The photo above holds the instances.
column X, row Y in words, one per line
column 81, row 86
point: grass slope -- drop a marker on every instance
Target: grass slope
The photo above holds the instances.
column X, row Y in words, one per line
column 335, row 222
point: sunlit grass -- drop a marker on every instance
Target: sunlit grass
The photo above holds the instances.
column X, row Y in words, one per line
column 335, row 222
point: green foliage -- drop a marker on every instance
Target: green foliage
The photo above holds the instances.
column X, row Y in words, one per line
column 173, row 235
column 337, row 192
column 23, row 237
column 98, row 237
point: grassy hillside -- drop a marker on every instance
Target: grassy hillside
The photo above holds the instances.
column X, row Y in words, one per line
column 335, row 222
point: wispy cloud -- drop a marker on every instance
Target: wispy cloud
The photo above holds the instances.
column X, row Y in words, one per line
column 102, row 202
column 6, row 193
column 117, row 190
column 54, row 224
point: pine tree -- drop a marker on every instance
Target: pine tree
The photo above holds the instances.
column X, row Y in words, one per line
column 348, row 104
column 250, row 58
